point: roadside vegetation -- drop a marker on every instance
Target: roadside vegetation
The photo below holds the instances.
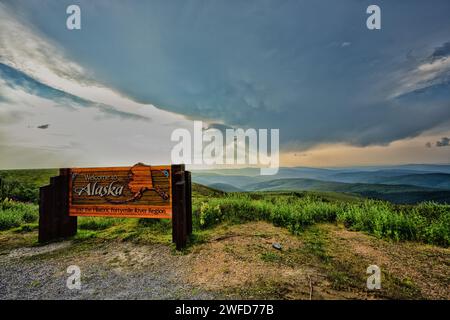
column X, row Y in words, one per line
column 15, row 214
column 427, row 222
column 23, row 185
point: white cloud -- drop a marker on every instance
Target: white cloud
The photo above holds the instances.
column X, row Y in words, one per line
column 76, row 135
column 424, row 75
column 33, row 54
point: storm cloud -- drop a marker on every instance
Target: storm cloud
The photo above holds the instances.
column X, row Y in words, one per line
column 311, row 69
column 444, row 142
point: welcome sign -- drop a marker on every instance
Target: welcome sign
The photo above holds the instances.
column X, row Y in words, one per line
column 140, row 191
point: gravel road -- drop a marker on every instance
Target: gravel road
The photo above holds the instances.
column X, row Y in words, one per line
column 108, row 271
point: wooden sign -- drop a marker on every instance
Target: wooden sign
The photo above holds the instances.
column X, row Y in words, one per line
column 139, row 191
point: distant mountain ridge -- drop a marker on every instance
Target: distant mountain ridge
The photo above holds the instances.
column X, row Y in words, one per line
column 394, row 193
column 430, row 180
column 400, row 184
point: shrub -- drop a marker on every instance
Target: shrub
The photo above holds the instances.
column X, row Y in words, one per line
column 30, row 215
column 210, row 214
column 438, row 232
column 10, row 219
column 13, row 214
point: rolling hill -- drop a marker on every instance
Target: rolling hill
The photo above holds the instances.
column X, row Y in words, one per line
column 225, row 187
column 430, row 180
column 394, row 193
column 431, row 176
column 399, row 183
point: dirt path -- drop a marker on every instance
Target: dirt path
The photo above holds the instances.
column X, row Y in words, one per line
column 323, row 262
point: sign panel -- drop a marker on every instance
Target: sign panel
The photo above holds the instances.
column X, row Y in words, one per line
column 139, row 191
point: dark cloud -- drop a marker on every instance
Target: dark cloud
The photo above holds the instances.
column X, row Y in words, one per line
column 111, row 112
column 221, row 127
column 269, row 64
column 17, row 79
column 444, row 142
column 441, row 51
column 44, row 126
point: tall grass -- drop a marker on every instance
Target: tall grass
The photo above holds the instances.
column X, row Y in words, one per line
column 427, row 222
column 13, row 214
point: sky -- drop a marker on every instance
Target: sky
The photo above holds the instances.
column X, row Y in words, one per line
column 112, row 92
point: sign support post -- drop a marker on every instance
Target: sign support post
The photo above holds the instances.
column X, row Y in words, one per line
column 182, row 206
column 188, row 202
column 54, row 219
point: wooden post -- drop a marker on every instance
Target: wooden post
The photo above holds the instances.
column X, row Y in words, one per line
column 188, row 202
column 54, row 219
column 67, row 224
column 179, row 230
column 44, row 214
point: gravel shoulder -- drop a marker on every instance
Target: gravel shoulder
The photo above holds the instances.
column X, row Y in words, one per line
column 111, row 270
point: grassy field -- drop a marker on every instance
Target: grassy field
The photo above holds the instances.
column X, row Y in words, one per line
column 328, row 240
column 426, row 222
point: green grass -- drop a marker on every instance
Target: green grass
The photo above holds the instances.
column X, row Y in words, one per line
column 427, row 222
column 130, row 229
column 271, row 257
column 97, row 223
column 14, row 214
